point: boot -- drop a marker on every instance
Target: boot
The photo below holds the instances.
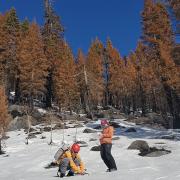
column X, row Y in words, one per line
column 70, row 173
column 62, row 175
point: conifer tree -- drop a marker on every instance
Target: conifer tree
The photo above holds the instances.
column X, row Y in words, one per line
column 94, row 66
column 116, row 66
column 65, row 85
column 4, row 118
column 81, row 81
column 24, row 28
column 12, row 30
column 157, row 34
column 53, row 33
column 2, row 46
column 32, row 65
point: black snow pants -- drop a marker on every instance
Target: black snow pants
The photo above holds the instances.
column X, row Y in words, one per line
column 107, row 156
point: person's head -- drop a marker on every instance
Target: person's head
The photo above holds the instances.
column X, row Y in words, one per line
column 104, row 122
column 75, row 148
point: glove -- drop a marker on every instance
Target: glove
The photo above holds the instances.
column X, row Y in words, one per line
column 100, row 135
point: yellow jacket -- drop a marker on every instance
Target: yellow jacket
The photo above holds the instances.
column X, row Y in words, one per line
column 71, row 156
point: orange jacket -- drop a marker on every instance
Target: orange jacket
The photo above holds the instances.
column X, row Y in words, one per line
column 71, row 156
column 107, row 135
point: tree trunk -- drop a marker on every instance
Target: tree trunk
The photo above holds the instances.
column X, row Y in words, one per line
column 17, row 91
column 134, row 104
column 49, row 91
column 174, row 105
column 0, row 147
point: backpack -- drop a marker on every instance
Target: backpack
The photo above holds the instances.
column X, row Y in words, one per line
column 61, row 150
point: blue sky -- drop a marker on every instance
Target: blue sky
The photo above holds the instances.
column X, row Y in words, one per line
column 84, row 20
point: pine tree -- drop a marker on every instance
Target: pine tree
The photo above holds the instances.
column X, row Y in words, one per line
column 157, row 34
column 12, row 30
column 81, row 81
column 4, row 118
column 53, row 33
column 94, row 66
column 116, row 66
column 2, row 46
column 24, row 28
column 64, row 78
column 32, row 65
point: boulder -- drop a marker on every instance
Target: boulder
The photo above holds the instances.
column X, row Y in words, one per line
column 43, row 137
column 82, row 143
column 130, row 130
column 47, row 129
column 18, row 123
column 154, row 152
column 31, row 136
column 115, row 138
column 89, row 131
column 96, row 148
column 58, row 126
column 140, row 145
column 97, row 127
column 78, row 126
column 170, row 137
column 114, row 124
column 16, row 110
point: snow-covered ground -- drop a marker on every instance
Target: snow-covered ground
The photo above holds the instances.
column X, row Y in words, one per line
column 26, row 162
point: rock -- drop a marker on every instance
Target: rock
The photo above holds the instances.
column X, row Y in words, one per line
column 5, row 137
column 130, row 130
column 16, row 113
column 30, row 130
column 170, row 137
column 115, row 138
column 36, row 133
column 16, row 110
column 96, row 148
column 97, row 127
column 89, row 131
column 154, row 117
column 31, row 136
column 78, row 126
column 82, row 143
column 114, row 124
column 58, row 126
column 18, row 123
column 154, row 152
column 99, row 115
column 140, row 145
column 43, row 137
column 36, row 114
column 47, row 129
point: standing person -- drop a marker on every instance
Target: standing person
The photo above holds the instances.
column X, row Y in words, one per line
column 70, row 161
column 106, row 145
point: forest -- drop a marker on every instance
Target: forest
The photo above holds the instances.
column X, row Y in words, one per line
column 38, row 67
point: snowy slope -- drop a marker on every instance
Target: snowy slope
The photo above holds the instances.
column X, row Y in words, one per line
column 26, row 162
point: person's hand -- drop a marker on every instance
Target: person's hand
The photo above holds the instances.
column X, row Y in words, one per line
column 100, row 135
column 81, row 172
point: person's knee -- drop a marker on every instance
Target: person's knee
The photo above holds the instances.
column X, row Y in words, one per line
column 64, row 164
column 77, row 162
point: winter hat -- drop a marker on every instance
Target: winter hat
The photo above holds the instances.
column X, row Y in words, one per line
column 75, row 148
column 104, row 122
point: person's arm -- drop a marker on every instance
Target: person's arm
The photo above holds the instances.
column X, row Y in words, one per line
column 82, row 167
column 73, row 166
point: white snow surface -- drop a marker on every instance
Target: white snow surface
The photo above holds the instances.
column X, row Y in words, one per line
column 26, row 162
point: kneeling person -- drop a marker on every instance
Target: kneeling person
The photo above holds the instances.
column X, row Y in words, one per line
column 71, row 161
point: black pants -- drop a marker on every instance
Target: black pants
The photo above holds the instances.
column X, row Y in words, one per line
column 107, row 156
